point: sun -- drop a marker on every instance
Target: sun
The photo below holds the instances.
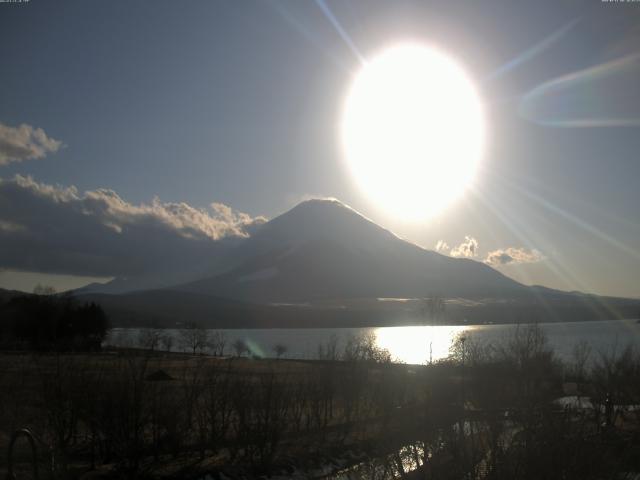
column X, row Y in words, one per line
column 413, row 131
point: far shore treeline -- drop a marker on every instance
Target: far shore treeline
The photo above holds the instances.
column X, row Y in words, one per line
column 51, row 321
column 35, row 319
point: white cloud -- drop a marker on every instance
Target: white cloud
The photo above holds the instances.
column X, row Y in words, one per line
column 25, row 143
column 468, row 248
column 512, row 256
column 58, row 230
column 442, row 246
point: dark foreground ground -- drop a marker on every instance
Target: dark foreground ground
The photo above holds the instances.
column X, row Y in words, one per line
column 492, row 411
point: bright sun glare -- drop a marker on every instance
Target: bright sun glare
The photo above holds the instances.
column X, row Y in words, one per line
column 413, row 131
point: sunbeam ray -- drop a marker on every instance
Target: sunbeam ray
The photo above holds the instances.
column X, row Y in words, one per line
column 577, row 221
column 341, row 31
column 521, row 231
column 534, row 51
column 604, row 95
column 307, row 33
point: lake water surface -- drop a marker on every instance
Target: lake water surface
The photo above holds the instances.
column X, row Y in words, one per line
column 411, row 344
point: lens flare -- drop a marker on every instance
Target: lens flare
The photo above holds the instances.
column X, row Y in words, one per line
column 601, row 96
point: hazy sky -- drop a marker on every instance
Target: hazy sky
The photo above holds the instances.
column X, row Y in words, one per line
column 238, row 103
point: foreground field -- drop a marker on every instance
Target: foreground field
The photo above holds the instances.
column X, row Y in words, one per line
column 488, row 412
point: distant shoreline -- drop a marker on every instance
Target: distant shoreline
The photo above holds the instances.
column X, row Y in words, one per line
column 306, row 326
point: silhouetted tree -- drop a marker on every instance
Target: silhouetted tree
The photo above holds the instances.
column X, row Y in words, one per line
column 240, row 347
column 279, row 349
column 329, row 350
column 193, row 337
column 51, row 322
column 217, row 343
column 167, row 341
column 150, row 338
column 433, row 308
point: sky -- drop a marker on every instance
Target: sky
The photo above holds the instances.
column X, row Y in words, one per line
column 133, row 129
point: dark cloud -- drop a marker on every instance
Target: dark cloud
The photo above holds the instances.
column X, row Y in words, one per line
column 56, row 229
column 512, row 255
column 24, row 143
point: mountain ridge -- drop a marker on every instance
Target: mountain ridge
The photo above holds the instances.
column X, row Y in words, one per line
column 324, row 243
column 324, row 264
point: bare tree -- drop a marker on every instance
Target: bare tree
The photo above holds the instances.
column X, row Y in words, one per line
column 615, row 377
column 167, row 341
column 193, row 337
column 527, row 346
column 240, row 347
column 329, row 350
column 60, row 394
column 468, row 350
column 217, row 343
column 279, row 349
column 150, row 338
column 433, row 308
column 580, row 357
column 364, row 347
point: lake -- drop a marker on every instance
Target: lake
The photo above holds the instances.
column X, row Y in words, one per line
column 411, row 344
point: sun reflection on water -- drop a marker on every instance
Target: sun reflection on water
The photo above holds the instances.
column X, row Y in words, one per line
column 419, row 344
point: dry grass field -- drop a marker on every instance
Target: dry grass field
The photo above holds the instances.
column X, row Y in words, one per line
column 490, row 411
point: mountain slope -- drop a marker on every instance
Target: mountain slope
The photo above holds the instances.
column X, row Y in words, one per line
column 322, row 249
column 192, row 265
column 323, row 264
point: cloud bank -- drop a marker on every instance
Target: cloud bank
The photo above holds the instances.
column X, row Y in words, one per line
column 503, row 256
column 56, row 229
column 25, row 143
column 442, row 246
column 512, row 256
column 467, row 249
